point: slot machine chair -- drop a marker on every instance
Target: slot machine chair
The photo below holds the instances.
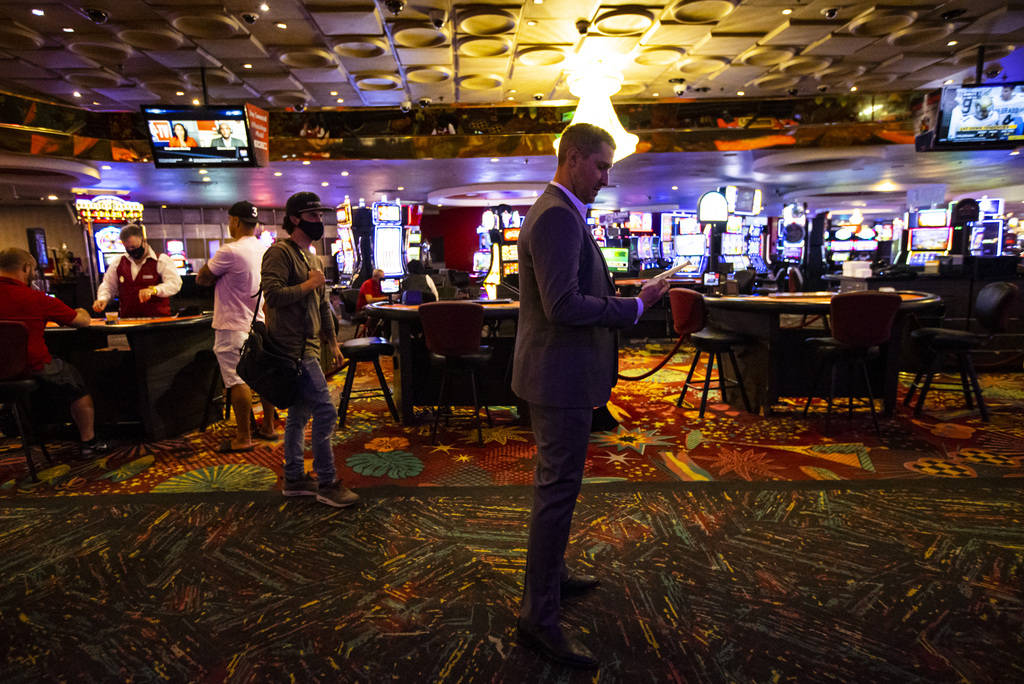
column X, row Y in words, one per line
column 16, row 386
column 452, row 332
column 689, row 317
column 861, row 321
column 992, row 309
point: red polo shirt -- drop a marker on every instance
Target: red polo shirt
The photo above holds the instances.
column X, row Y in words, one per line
column 369, row 287
column 19, row 302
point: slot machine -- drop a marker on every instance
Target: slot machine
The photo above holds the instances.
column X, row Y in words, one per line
column 930, row 236
column 792, row 243
column 102, row 218
column 690, row 247
column 713, row 218
column 733, row 246
column 640, row 227
column 344, row 247
column 987, row 233
column 755, row 243
column 503, row 276
column 485, row 255
column 388, row 239
column 175, row 249
column 413, row 237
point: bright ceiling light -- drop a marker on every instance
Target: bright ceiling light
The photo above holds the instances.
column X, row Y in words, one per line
column 278, row 174
column 340, row 100
column 495, row 160
column 105, row 167
column 38, row 12
column 203, row 172
column 675, row 187
column 281, row 25
column 594, row 86
column 655, row 94
column 264, row 7
column 952, row 43
column 853, row 89
column 180, row 93
column 305, row 163
column 344, row 173
column 885, row 186
column 68, row 29
column 77, row 94
column 324, row 184
column 948, row 81
column 51, row 197
column 247, row 66
column 740, row 93
column 195, row 101
column 787, row 11
column 206, row 179
column 334, row 93
column 401, row 187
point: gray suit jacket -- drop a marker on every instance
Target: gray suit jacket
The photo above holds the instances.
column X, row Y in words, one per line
column 566, row 351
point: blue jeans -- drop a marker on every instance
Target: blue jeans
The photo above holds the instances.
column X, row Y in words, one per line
column 314, row 400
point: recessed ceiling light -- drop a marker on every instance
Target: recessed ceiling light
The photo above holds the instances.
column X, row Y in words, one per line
column 180, row 93
column 787, row 11
column 513, row 90
column 305, row 163
column 853, row 89
column 510, row 98
column 344, row 173
column 195, row 101
column 51, row 197
column 495, row 160
column 163, row 206
column 203, row 171
column 740, row 93
column 531, row 23
column 324, row 184
column 281, row 25
column 340, row 100
column 538, row 2
column 264, row 7
column 206, row 179
column 655, row 94
column 247, row 66
column 105, row 167
column 948, row 81
column 38, row 12
column 278, row 173
column 1015, row 153
column 952, row 43
column 77, row 94
column 675, row 187
column 334, row 93
column 96, row 103
column 68, row 29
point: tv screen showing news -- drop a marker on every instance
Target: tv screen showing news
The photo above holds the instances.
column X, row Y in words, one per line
column 617, row 258
column 981, row 116
column 930, row 239
column 185, row 136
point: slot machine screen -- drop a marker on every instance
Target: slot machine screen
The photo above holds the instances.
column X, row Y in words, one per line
column 389, row 285
column 734, row 225
column 643, row 248
column 617, row 259
column 691, row 244
column 932, row 218
column 667, row 251
column 732, row 244
column 841, row 245
column 387, row 213
column 840, row 256
column 930, row 239
column 387, row 249
column 481, row 261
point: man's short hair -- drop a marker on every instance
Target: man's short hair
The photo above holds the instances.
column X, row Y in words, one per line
column 13, row 258
column 376, row 271
column 132, row 230
column 586, row 138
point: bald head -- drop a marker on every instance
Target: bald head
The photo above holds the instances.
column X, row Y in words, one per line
column 17, row 263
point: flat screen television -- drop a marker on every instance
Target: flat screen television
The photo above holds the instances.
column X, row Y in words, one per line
column 617, row 259
column 980, row 116
column 185, row 136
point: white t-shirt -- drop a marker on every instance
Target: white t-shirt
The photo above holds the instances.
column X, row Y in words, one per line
column 237, row 267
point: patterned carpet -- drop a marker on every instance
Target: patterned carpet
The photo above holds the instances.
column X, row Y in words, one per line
column 713, row 582
column 655, row 442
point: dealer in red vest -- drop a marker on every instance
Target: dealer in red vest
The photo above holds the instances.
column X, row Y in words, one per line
column 142, row 282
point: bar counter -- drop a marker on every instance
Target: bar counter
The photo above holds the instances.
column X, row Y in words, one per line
column 778, row 363
column 154, row 371
column 417, row 382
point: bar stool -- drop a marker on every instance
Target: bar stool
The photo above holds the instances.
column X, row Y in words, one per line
column 992, row 309
column 861, row 321
column 689, row 317
column 452, row 331
column 16, row 386
column 365, row 349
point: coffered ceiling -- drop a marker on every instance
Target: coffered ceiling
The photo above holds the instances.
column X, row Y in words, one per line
column 117, row 54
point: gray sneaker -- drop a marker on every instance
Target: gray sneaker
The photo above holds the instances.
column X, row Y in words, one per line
column 305, row 487
column 337, row 495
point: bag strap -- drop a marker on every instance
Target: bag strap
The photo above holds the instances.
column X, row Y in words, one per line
column 256, row 309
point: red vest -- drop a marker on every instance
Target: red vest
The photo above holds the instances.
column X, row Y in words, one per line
column 128, row 290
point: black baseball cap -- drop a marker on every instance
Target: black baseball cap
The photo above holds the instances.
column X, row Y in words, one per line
column 304, row 201
column 246, row 211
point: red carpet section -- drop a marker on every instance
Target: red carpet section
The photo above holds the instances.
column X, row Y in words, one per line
column 654, row 442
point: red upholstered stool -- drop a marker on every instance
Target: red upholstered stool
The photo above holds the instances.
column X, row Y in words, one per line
column 452, row 331
column 992, row 309
column 689, row 317
column 861, row 321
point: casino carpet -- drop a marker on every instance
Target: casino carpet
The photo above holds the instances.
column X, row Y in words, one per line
column 655, row 442
column 892, row 581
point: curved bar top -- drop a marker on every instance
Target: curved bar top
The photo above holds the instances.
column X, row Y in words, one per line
column 131, row 324
column 806, row 302
column 493, row 310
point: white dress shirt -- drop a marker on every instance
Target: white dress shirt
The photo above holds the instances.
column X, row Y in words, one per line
column 170, row 280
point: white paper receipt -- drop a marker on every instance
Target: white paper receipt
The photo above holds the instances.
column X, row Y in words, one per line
column 670, row 272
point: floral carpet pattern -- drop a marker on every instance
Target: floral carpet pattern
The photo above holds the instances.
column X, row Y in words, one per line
column 654, row 442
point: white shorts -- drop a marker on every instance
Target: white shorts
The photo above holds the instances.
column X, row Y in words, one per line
column 227, row 345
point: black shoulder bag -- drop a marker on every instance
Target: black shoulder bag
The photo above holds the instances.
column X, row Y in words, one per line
column 271, row 374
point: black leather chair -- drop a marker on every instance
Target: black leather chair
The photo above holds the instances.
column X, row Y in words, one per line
column 16, row 385
column 365, row 349
column 992, row 310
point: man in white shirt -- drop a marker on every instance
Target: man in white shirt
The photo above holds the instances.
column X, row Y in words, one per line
column 142, row 281
column 235, row 269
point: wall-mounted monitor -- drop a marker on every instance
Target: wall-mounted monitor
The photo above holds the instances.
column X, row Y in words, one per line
column 185, row 136
column 980, row 116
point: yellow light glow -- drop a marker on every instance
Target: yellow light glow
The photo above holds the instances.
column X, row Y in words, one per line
column 885, row 186
column 787, row 11
column 856, row 218
column 594, row 87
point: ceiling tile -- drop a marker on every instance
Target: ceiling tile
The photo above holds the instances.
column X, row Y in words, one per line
column 437, row 92
column 233, row 92
column 838, row 46
column 365, row 22
column 242, row 47
column 904, row 64
column 128, row 95
column 421, row 56
column 382, row 63
column 383, row 97
column 749, row 18
column 268, row 83
column 176, row 59
column 680, row 35
column 51, row 86
column 548, row 31
column 726, row 44
column 736, row 75
column 798, row 33
column 57, row 59
column 329, row 75
column 24, row 70
column 597, row 47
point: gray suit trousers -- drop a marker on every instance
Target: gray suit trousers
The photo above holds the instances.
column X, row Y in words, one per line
column 562, row 436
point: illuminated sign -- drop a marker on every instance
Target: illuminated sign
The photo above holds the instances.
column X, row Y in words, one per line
column 344, row 212
column 107, row 208
column 712, row 207
column 511, row 235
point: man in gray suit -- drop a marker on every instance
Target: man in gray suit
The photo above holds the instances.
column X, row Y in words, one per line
column 566, row 362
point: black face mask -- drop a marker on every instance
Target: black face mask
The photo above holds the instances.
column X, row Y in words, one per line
column 315, row 231
column 136, row 253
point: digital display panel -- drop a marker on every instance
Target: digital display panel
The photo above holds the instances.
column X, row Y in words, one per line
column 387, row 250
column 932, row 218
column 841, row 245
column 990, row 206
column 690, row 244
column 732, row 244
column 389, row 285
column 930, row 239
column 734, row 224
column 184, row 136
column 639, row 222
column 386, row 212
column 981, row 116
column 617, row 259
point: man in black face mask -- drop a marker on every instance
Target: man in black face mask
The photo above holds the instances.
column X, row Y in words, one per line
column 142, row 281
column 299, row 320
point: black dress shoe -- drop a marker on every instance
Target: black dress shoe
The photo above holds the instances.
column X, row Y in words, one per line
column 578, row 584
column 557, row 647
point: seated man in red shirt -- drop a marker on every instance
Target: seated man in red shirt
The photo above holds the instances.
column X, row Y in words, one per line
column 58, row 381
column 369, row 292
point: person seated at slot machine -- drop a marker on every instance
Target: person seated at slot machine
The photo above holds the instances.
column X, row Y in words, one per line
column 59, row 382
column 418, row 281
column 142, row 281
column 370, row 292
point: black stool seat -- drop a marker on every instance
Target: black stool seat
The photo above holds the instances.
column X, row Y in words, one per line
column 365, row 349
column 831, row 346
column 475, row 360
column 951, row 340
column 710, row 339
column 10, row 389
